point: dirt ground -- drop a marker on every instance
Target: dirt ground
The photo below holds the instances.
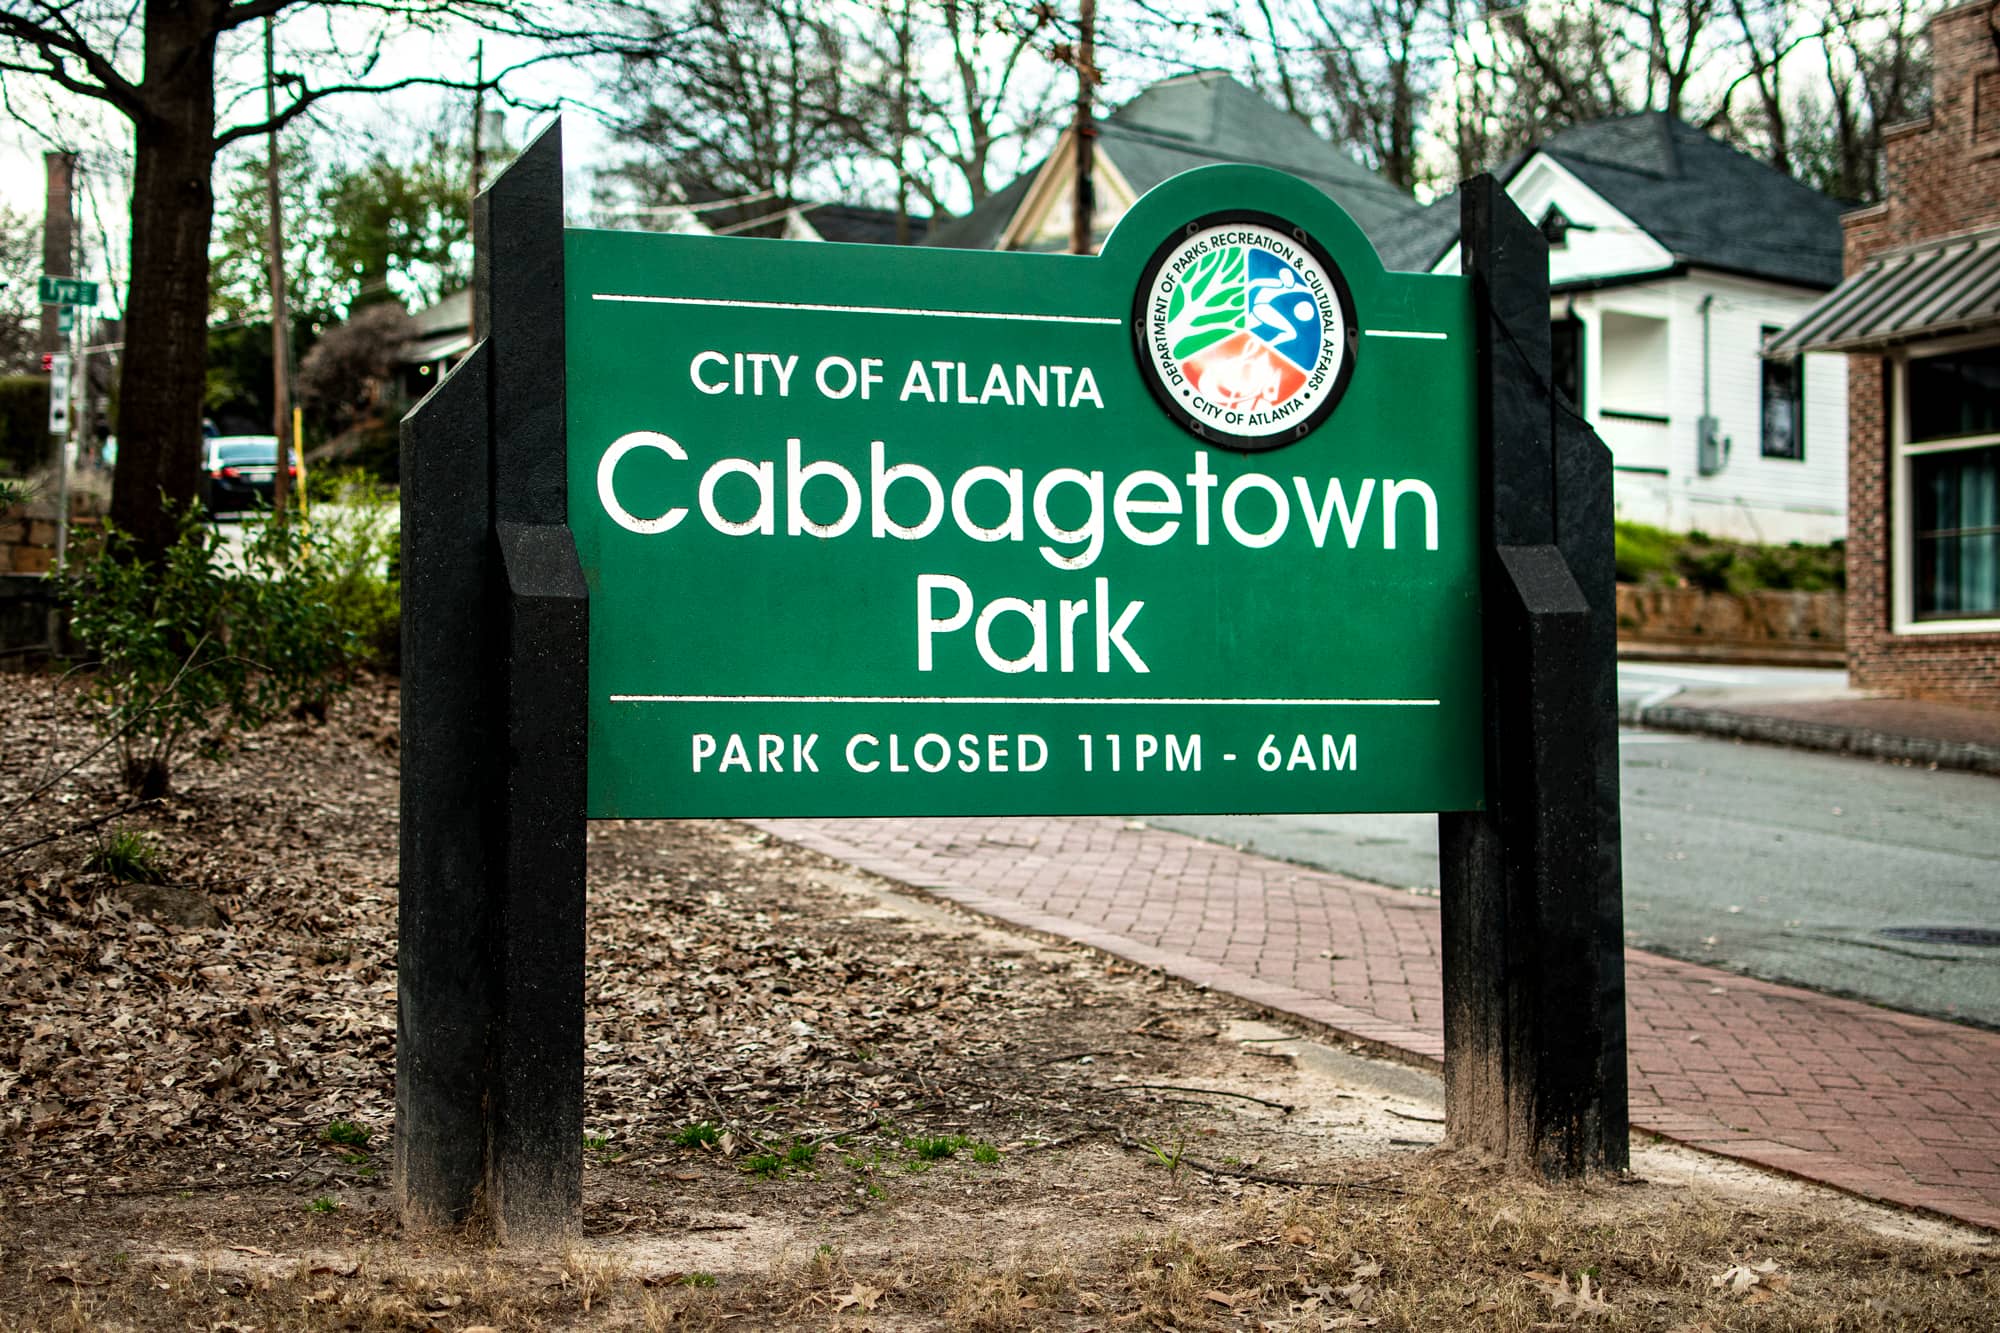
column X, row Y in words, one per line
column 816, row 1100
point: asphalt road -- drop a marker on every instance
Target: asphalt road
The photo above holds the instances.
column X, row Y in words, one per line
column 1784, row 864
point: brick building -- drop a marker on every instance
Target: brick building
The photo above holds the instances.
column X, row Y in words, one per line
column 1919, row 315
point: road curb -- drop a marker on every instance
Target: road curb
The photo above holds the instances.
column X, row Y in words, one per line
column 1825, row 736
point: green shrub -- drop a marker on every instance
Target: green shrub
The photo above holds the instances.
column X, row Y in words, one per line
column 201, row 643
column 24, row 423
column 1642, row 554
column 352, row 541
column 1651, row 555
column 127, row 857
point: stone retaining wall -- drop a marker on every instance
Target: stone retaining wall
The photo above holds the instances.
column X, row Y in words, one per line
column 1807, row 628
column 27, row 556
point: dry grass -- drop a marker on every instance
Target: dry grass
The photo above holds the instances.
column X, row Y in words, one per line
column 1437, row 1244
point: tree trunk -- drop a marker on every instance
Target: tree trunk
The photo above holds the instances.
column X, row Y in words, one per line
column 173, row 207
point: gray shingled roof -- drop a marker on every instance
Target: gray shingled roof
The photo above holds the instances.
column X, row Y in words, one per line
column 1710, row 205
column 1198, row 120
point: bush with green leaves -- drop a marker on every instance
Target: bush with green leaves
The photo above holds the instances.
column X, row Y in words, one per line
column 352, row 536
column 1652, row 555
column 202, row 643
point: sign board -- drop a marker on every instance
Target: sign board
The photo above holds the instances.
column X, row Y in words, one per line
column 67, row 291
column 59, row 394
column 1189, row 526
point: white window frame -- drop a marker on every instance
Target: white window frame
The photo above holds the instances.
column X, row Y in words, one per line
column 1902, row 534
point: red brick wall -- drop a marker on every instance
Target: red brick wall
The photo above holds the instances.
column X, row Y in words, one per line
column 1943, row 177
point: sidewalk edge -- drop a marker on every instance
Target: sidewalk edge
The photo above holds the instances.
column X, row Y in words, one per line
column 1828, row 737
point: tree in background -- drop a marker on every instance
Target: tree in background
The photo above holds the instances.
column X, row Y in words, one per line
column 20, row 303
column 239, row 284
column 158, row 65
column 952, row 86
column 782, row 100
column 399, row 228
column 748, row 101
column 343, row 374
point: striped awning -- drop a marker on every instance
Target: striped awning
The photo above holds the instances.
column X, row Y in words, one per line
column 1921, row 291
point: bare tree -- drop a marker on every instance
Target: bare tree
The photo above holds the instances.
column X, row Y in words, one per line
column 157, row 65
column 968, row 77
column 1768, row 31
column 749, row 100
column 1877, row 60
column 1375, row 66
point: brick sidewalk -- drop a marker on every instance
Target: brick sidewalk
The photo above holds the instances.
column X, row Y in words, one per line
column 1885, row 1105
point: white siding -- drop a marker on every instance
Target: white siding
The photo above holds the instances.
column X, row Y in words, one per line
column 1752, row 498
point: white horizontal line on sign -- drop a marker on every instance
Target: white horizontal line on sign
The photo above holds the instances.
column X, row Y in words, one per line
column 1006, row 699
column 862, row 309
column 1406, row 333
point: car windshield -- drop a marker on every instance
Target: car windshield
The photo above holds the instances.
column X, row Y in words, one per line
column 246, row 451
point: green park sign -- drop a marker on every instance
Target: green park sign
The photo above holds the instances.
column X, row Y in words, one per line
column 1188, row 526
column 1225, row 519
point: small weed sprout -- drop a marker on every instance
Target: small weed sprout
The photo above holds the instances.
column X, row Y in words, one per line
column 596, row 1142
column 697, row 1279
column 766, row 1164
column 700, row 1134
column 985, row 1153
column 323, row 1204
column 347, row 1134
column 801, row 1155
column 127, row 857
column 1170, row 1160
column 937, row 1148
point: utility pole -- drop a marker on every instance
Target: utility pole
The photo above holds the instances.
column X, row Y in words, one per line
column 478, row 170
column 281, row 332
column 1084, row 206
column 58, row 334
column 58, row 241
column 903, row 127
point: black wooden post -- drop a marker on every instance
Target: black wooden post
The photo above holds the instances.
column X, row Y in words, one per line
column 490, row 1065
column 444, row 986
column 535, row 1168
column 1533, row 912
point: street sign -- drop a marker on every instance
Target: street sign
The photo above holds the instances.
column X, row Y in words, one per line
column 65, row 319
column 1190, row 526
column 68, row 291
column 59, row 394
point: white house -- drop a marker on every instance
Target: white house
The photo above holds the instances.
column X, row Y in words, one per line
column 1673, row 259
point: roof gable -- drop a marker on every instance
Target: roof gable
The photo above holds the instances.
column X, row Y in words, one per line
column 1706, row 202
column 1702, row 202
column 1197, row 120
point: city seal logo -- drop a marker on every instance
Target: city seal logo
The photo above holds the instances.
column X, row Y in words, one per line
column 1244, row 329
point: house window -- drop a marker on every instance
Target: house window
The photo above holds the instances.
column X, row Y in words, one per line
column 1950, row 427
column 1566, row 349
column 1956, row 498
column 1784, row 402
column 1957, row 394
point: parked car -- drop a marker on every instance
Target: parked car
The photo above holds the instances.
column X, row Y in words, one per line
column 237, row 472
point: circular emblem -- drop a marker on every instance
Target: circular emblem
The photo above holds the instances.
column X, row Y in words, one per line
column 1244, row 330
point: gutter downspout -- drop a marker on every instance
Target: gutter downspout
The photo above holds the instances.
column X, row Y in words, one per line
column 1711, row 447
